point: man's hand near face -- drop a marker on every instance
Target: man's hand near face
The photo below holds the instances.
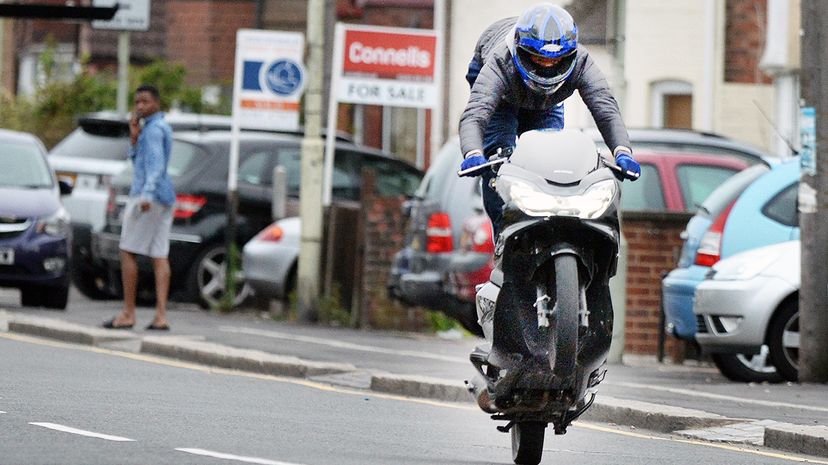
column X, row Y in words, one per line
column 134, row 129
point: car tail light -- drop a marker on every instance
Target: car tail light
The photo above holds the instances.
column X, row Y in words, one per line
column 482, row 238
column 272, row 233
column 110, row 202
column 439, row 233
column 710, row 246
column 187, row 205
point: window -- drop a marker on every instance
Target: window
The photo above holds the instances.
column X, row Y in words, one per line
column 698, row 181
column 782, row 208
column 23, row 166
column 252, row 168
column 182, row 158
column 393, row 178
column 672, row 104
column 645, row 194
column 345, row 186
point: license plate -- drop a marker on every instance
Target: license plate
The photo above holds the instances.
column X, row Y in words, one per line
column 6, row 256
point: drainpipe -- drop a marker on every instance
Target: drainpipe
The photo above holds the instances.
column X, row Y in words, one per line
column 708, row 87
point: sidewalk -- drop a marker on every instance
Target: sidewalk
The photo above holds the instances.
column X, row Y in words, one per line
column 691, row 400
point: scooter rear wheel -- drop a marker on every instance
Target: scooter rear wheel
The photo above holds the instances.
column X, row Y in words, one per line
column 527, row 442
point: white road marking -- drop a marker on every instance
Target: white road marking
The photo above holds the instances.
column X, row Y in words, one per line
column 341, row 345
column 238, row 458
column 2, row 411
column 709, row 395
column 91, row 434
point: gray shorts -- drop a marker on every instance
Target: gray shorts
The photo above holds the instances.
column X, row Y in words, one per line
column 146, row 233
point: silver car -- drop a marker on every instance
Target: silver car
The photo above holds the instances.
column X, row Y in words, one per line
column 750, row 306
column 269, row 259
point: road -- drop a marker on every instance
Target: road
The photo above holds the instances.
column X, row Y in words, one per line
column 70, row 404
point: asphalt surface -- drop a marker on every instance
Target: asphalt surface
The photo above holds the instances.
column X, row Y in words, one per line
column 434, row 367
column 72, row 404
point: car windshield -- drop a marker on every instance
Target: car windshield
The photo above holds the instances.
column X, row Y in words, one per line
column 83, row 144
column 23, row 166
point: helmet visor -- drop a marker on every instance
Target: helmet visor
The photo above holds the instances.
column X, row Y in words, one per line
column 545, row 71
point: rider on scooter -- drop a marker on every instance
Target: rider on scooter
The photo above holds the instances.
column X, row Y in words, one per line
column 522, row 71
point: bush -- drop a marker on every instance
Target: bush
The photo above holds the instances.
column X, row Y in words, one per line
column 51, row 113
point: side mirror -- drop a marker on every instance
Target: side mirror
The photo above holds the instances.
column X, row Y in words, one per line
column 406, row 208
column 65, row 187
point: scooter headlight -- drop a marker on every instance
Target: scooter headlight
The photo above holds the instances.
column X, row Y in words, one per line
column 589, row 205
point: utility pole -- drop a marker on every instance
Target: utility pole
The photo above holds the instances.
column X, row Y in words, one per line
column 813, row 201
column 313, row 149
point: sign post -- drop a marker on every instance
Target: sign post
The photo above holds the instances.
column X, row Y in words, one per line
column 380, row 66
column 132, row 15
column 267, row 86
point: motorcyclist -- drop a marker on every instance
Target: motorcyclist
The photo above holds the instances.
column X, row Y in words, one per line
column 522, row 71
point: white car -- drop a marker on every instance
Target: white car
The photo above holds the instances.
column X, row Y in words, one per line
column 751, row 306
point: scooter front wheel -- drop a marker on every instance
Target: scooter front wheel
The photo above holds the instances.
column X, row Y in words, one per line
column 527, row 442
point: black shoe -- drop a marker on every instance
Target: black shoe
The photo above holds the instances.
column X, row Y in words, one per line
column 111, row 325
column 154, row 327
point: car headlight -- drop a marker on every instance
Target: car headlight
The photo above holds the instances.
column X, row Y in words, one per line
column 56, row 224
column 589, row 205
column 743, row 266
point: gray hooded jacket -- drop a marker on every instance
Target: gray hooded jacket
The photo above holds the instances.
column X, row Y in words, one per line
column 499, row 83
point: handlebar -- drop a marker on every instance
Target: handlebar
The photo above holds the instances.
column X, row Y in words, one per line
column 620, row 173
column 476, row 170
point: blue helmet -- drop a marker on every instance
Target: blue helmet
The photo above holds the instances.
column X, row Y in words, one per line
column 545, row 33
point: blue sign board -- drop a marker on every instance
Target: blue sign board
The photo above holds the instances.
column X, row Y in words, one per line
column 807, row 138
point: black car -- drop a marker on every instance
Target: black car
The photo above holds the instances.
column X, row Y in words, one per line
column 89, row 157
column 198, row 168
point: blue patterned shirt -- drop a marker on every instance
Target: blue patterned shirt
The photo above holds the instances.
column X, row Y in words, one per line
column 150, row 157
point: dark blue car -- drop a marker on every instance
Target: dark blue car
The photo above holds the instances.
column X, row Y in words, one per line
column 35, row 235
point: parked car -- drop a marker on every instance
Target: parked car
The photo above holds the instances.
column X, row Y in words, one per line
column 764, row 213
column 35, row 236
column 89, row 157
column 679, row 286
column 679, row 170
column 270, row 259
column 198, row 168
column 749, row 305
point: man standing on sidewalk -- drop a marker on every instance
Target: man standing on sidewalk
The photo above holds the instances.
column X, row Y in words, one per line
column 148, row 215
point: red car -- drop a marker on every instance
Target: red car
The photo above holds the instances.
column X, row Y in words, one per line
column 671, row 182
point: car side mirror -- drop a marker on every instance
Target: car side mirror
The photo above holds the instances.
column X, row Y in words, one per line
column 406, row 208
column 65, row 187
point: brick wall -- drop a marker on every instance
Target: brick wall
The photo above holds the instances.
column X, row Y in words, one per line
column 745, row 25
column 653, row 245
column 383, row 225
column 202, row 36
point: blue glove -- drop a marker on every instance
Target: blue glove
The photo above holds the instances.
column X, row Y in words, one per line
column 631, row 168
column 471, row 162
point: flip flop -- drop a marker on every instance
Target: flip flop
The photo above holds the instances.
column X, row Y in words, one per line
column 111, row 325
column 154, row 327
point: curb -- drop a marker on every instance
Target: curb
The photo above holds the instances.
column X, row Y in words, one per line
column 254, row 361
column 68, row 332
column 811, row 440
column 420, row 386
column 654, row 417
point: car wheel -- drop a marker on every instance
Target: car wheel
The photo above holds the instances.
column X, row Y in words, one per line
column 55, row 297
column 207, row 278
column 747, row 368
column 30, row 296
column 91, row 283
column 783, row 340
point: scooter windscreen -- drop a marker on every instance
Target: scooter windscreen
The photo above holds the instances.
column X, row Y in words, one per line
column 556, row 174
column 561, row 157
